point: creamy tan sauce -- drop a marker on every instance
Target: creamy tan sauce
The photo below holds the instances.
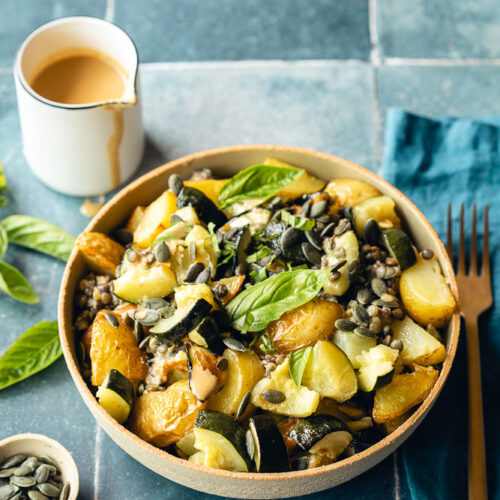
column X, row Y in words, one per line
column 79, row 76
column 113, row 145
column 90, row 208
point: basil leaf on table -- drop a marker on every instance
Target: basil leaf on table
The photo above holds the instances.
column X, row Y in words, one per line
column 13, row 283
column 34, row 350
column 258, row 182
column 4, row 241
column 38, row 235
column 297, row 222
column 297, row 364
column 269, row 299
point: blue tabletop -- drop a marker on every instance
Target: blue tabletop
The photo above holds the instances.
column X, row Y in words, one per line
column 317, row 74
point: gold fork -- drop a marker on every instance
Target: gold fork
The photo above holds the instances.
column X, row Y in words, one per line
column 475, row 298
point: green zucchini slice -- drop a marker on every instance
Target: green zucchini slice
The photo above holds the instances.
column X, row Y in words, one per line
column 353, row 345
column 268, row 446
column 208, row 335
column 186, row 444
column 400, row 247
column 205, row 208
column 116, row 395
column 173, row 329
column 221, row 441
column 376, row 367
column 322, row 435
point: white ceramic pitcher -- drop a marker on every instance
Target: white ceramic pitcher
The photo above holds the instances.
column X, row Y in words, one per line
column 85, row 149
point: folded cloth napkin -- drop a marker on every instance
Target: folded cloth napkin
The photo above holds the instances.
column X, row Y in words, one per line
column 435, row 162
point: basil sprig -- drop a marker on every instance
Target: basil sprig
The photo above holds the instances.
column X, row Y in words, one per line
column 34, row 350
column 4, row 241
column 297, row 222
column 269, row 299
column 13, row 283
column 297, row 364
column 258, row 182
column 38, row 235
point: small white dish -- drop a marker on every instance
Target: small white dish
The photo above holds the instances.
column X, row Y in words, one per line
column 39, row 445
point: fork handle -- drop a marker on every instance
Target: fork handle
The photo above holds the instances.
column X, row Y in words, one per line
column 477, row 456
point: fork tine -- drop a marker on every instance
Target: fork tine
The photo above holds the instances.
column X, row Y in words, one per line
column 486, row 249
column 473, row 243
column 461, row 247
column 449, row 235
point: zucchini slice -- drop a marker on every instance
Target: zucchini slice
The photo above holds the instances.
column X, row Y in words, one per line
column 186, row 444
column 204, row 376
column 208, row 335
column 177, row 231
column 380, row 208
column 221, row 441
column 237, row 245
column 187, row 215
column 330, row 373
column 205, row 208
column 376, row 367
column 268, row 446
column 171, row 330
column 322, row 435
column 116, row 395
column 353, row 345
column 400, row 247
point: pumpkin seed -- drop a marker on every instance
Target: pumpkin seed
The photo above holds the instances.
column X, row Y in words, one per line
column 364, row 296
column 339, row 265
column 378, row 286
column 23, row 481
column 153, row 303
column 147, row 317
column 123, row 236
column 49, row 489
column 342, row 227
column 390, row 272
column 243, row 404
column 314, row 239
column 36, row 495
column 364, row 332
column 47, row 460
column 18, row 496
column 42, row 473
column 3, row 482
column 250, row 444
column 220, row 290
column 8, row 491
column 161, row 252
column 273, row 396
column 137, row 331
column 23, row 470
column 382, row 303
column 353, row 270
column 64, row 492
column 274, row 202
column 204, row 276
column 325, row 219
column 290, row 237
column 318, row 208
column 371, row 232
column 359, row 313
column 305, row 208
column 311, row 254
column 233, row 344
column 345, row 325
column 192, row 250
column 222, row 364
column 145, row 341
column 375, row 325
column 13, row 460
column 327, row 230
column 334, row 276
column 193, row 271
column 397, row 344
column 427, row 254
column 112, row 319
column 7, row 472
column 175, row 184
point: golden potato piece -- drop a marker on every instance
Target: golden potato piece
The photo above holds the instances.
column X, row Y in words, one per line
column 101, row 253
column 403, row 393
column 350, row 191
column 164, row 417
column 304, row 326
column 234, row 285
column 244, row 371
column 135, row 218
column 392, row 425
column 425, row 293
column 115, row 348
column 156, row 218
column 209, row 187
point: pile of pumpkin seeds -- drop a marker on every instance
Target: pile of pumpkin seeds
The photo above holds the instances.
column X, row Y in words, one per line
column 26, row 477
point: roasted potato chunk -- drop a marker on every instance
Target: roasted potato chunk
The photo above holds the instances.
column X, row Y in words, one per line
column 115, row 348
column 234, row 285
column 304, row 326
column 209, row 187
column 164, row 417
column 403, row 393
column 350, row 191
column 101, row 253
column 135, row 218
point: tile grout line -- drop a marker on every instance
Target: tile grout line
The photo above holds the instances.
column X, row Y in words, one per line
column 97, row 459
column 402, row 61
column 109, row 14
column 397, row 491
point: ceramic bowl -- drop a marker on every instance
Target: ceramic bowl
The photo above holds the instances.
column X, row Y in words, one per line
column 226, row 162
column 39, row 445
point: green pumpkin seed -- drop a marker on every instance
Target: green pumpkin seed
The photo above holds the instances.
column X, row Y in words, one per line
column 325, row 219
column 334, row 276
column 273, row 396
column 18, row 496
column 378, row 286
column 290, row 237
column 112, row 319
column 243, row 404
column 49, row 489
column 147, row 317
column 397, row 344
column 8, row 491
column 64, row 492
column 193, row 271
column 222, row 364
column 345, row 325
column 375, row 325
column 137, row 332
column 342, row 227
column 318, row 208
column 3, row 482
column 13, row 460
column 382, row 303
column 47, row 460
column 313, row 239
column 7, row 472
column 359, row 313
column 175, row 184
column 339, row 265
column 353, row 270
column 233, row 344
column 304, row 211
column 36, row 495
column 371, row 232
column 161, row 252
column 250, row 444
column 364, row 332
column 42, row 473
column 364, row 296
column 327, row 230
column 311, row 254
column 204, row 276
column 23, row 470
column 23, row 481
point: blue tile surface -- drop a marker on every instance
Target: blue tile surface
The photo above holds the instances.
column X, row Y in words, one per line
column 19, row 18
column 430, row 29
column 194, row 30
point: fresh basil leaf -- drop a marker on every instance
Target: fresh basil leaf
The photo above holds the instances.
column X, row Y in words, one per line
column 297, row 364
column 3, row 188
column 269, row 299
column 13, row 283
column 213, row 237
column 258, row 182
column 3, row 242
column 267, row 346
column 259, row 254
column 297, row 222
column 38, row 235
column 34, row 350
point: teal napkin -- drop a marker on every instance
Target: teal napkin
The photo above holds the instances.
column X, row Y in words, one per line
column 435, row 162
